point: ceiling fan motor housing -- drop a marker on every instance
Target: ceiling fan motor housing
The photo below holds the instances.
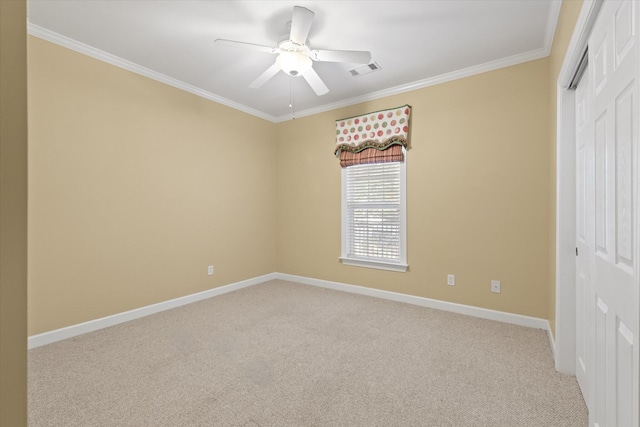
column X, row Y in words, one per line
column 294, row 58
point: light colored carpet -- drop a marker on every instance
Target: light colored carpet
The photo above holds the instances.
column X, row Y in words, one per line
column 285, row 354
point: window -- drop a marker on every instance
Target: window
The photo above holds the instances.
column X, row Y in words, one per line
column 372, row 152
column 374, row 216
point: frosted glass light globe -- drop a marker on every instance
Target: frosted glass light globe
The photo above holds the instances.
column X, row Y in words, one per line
column 294, row 63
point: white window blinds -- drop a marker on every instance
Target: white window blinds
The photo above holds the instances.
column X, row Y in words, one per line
column 373, row 212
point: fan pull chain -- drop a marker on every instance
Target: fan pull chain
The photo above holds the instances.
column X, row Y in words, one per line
column 291, row 104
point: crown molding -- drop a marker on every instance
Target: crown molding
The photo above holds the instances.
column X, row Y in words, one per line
column 100, row 55
column 431, row 81
column 552, row 22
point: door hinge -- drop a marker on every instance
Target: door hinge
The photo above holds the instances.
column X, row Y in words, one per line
column 576, row 251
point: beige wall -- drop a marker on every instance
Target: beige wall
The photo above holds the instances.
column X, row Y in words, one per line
column 564, row 29
column 135, row 187
column 131, row 197
column 477, row 184
column 13, row 213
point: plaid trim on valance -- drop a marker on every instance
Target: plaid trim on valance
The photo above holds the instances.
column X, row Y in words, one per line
column 372, row 155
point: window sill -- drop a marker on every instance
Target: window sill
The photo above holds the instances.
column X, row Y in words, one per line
column 380, row 265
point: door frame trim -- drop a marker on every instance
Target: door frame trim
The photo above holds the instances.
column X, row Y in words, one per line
column 565, row 327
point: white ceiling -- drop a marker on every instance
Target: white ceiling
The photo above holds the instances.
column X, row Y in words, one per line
column 416, row 43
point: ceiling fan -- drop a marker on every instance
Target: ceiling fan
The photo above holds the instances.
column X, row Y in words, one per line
column 295, row 57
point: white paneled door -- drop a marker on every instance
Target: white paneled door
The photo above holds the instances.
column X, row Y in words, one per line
column 606, row 183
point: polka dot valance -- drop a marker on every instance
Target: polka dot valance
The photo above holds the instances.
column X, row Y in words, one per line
column 378, row 130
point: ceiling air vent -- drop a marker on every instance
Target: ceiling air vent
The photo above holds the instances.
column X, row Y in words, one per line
column 365, row 69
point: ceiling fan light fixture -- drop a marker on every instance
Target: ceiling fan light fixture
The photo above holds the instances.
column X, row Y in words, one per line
column 294, row 63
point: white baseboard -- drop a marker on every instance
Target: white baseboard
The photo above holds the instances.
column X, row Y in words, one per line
column 500, row 316
column 104, row 322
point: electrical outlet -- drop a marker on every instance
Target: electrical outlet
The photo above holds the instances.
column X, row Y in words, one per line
column 451, row 279
column 495, row 286
column 210, row 270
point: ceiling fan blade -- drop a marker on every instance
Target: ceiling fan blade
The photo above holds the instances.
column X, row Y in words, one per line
column 355, row 56
column 315, row 82
column 300, row 24
column 264, row 77
column 258, row 47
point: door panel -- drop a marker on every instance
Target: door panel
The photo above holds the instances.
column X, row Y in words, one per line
column 606, row 143
column 624, row 365
column 624, row 186
column 624, row 31
column 600, row 366
column 601, row 184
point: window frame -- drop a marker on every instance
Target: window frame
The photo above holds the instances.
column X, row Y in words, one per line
column 401, row 265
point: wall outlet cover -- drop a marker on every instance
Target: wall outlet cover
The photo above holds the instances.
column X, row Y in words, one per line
column 495, row 286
